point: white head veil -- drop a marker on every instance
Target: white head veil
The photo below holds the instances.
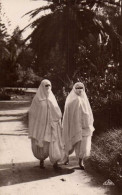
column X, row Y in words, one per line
column 42, row 94
column 72, row 96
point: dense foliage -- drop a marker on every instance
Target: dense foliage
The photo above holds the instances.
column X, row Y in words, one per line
column 4, row 52
column 76, row 37
column 17, row 62
column 106, row 156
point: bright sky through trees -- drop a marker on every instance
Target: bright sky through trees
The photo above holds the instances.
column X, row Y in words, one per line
column 15, row 9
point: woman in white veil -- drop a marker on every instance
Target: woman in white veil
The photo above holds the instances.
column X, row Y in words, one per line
column 77, row 123
column 45, row 125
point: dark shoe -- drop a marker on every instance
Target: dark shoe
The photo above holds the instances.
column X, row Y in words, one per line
column 81, row 164
column 66, row 162
column 42, row 164
column 56, row 166
column 82, row 167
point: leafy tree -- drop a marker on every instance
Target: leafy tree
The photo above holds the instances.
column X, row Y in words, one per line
column 4, row 52
column 19, row 60
column 84, row 33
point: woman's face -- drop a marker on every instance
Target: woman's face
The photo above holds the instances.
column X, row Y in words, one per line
column 47, row 87
column 78, row 89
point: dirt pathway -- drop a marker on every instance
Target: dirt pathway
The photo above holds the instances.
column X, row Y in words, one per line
column 20, row 173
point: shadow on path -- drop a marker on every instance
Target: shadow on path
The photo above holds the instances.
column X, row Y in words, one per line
column 11, row 174
column 16, row 173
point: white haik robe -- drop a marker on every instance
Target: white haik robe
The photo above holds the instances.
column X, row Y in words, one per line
column 44, row 122
column 77, row 123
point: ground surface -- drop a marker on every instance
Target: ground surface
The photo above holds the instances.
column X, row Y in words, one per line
column 19, row 169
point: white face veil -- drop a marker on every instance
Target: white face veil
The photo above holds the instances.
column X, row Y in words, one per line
column 44, row 90
column 73, row 95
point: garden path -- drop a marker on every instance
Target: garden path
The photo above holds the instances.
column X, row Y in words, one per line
column 19, row 169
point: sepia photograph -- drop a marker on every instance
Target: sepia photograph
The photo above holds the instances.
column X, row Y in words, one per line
column 61, row 97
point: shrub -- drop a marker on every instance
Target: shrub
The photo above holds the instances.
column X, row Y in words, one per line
column 106, row 156
column 108, row 116
column 4, row 95
column 17, row 91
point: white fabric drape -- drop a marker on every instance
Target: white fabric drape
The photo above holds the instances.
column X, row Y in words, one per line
column 45, row 125
column 77, row 119
column 43, row 112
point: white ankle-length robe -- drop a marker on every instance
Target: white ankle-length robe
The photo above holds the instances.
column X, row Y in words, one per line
column 44, row 123
column 77, row 123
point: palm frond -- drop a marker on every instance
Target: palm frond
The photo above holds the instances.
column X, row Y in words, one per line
column 35, row 12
